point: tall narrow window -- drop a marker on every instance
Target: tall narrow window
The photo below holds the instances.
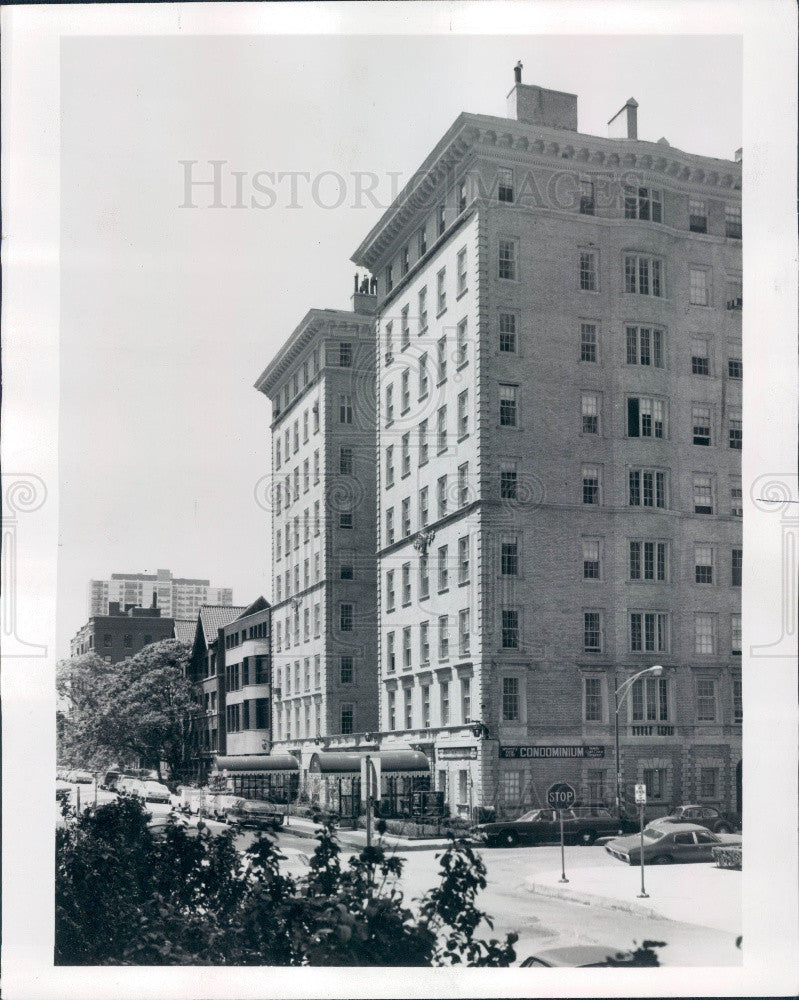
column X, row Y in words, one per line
column 591, row 559
column 507, row 333
column 508, row 405
column 705, row 699
column 464, row 633
column 703, row 494
column 443, row 568
column 590, row 412
column 510, row 628
column 509, row 556
column 507, row 260
column 461, row 343
column 441, row 430
column 701, row 424
column 463, row 484
column 736, row 432
column 590, row 476
column 424, row 381
column 442, row 290
column 732, row 221
column 423, row 444
column 704, row 634
column 442, row 358
column 462, row 277
column 587, row 271
column 698, row 287
column 508, row 481
column 737, row 567
column 593, row 698
column 592, row 631
column 443, row 637
column 463, row 559
column 463, row 413
column 422, row 309
column 510, row 699
column 441, row 495
column 703, row 563
column 505, row 185
column 406, row 453
column 588, row 342
column 697, row 215
column 700, row 356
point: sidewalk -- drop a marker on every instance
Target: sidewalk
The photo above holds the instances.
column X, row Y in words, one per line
column 355, row 840
column 695, row 894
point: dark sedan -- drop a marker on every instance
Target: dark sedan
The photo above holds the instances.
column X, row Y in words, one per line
column 542, row 826
column 668, row 844
column 256, row 815
column 707, row 816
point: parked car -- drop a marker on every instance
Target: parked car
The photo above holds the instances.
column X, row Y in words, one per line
column 256, row 814
column 581, row 825
column 668, row 844
column 155, row 791
column 80, row 777
column 127, row 786
column 219, row 805
column 578, row 956
column 707, row 816
column 110, row 780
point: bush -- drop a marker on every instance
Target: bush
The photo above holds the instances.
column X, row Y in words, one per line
column 729, row 857
column 125, row 896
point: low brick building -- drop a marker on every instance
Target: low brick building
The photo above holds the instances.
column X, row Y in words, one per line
column 121, row 633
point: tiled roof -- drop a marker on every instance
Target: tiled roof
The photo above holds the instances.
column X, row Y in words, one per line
column 215, row 616
column 185, row 629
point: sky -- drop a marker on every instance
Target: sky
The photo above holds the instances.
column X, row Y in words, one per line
column 170, row 312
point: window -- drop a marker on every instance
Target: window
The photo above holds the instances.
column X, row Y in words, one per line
column 508, row 481
column 392, row 710
column 316, row 466
column 127, row 641
column 347, row 719
column 424, row 512
column 705, row 634
column 592, row 566
column 306, row 476
column 405, row 329
column 737, row 567
column 735, row 626
column 406, row 647
column 736, row 498
column 406, row 583
column 424, row 577
column 586, row 197
column 703, row 563
column 700, row 417
column 346, row 617
column 461, row 344
column 425, row 689
column 737, row 701
column 508, row 405
column 588, row 342
column 700, row 357
column 697, row 215
column 391, row 656
column 587, row 271
column 408, row 707
column 507, row 260
column 441, row 437
column 405, row 261
column 441, row 219
column 698, row 287
column 464, row 637
column 423, row 445
column 346, row 569
column 389, row 466
column 650, row 700
column 441, row 489
column 648, row 560
column 592, row 698
column 708, row 789
column 705, row 700
column 643, row 275
column 443, row 569
column 424, row 642
column 510, row 628
column 424, row 381
column 509, row 556
column 461, row 196
column 646, row 488
column 345, row 668
column 736, row 432
column 735, row 368
column 463, row 559
column 344, row 360
column 344, row 409
column 643, row 203
column 732, row 221
column 406, row 453
column 592, row 631
column 443, row 637
column 441, row 301
column 463, row 484
column 510, row 699
column 463, row 413
column 505, row 188
column 590, row 412
column 422, row 241
column 735, row 300
column 461, row 271
column 507, row 333
column 405, row 391
column 644, row 346
column 345, row 461
column 315, row 412
column 422, row 309
column 655, row 781
column 444, row 702
column 649, row 632
column 317, row 619
column 442, row 358
column 345, row 519
column 406, row 517
column 703, row 494
column 316, row 517
column 389, row 343
column 591, row 492
column 466, row 703
column 390, row 595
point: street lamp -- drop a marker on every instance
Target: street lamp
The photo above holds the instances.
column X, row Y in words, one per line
column 623, row 690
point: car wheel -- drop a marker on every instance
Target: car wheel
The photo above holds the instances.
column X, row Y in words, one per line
column 586, row 837
column 509, row 839
column 662, row 859
column 723, row 828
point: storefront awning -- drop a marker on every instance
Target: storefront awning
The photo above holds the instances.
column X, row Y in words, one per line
column 391, row 762
column 259, row 763
column 403, row 762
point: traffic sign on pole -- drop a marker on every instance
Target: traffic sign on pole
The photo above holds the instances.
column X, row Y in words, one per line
column 561, row 795
column 640, row 795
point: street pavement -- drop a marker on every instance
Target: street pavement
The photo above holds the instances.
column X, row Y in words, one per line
column 694, row 908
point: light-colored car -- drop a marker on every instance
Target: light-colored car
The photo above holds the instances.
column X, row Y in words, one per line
column 578, row 956
column 219, row 805
column 155, row 791
column 707, row 816
column 133, row 787
column 81, row 777
column 671, row 843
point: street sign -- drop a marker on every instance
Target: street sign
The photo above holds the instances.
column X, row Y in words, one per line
column 561, row 795
column 374, row 785
column 640, row 795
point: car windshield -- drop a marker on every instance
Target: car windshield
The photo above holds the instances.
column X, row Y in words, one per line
column 530, row 816
column 653, row 833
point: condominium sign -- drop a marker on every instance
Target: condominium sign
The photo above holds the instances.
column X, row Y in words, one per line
column 551, row 751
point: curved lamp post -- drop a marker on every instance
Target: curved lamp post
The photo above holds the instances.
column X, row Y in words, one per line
column 624, row 689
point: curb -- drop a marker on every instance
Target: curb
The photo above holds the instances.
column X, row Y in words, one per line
column 305, row 834
column 591, row 899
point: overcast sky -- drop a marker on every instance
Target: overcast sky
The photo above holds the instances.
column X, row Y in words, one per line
column 169, row 313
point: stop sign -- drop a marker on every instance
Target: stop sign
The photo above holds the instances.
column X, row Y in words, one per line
column 560, row 795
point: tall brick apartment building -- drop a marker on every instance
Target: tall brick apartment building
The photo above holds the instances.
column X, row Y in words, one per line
column 324, row 636
column 559, row 487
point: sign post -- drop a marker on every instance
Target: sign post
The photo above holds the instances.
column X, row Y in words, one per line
column 561, row 796
column 640, row 801
column 370, row 789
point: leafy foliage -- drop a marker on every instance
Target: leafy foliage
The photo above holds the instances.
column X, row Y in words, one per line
column 128, row 895
column 139, row 707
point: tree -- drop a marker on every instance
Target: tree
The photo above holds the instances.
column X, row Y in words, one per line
column 80, row 686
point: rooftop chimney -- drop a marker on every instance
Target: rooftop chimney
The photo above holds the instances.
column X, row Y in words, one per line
column 364, row 297
column 624, row 124
column 537, row 106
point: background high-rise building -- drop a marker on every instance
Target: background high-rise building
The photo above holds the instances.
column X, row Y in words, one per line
column 559, row 484
column 177, row 597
